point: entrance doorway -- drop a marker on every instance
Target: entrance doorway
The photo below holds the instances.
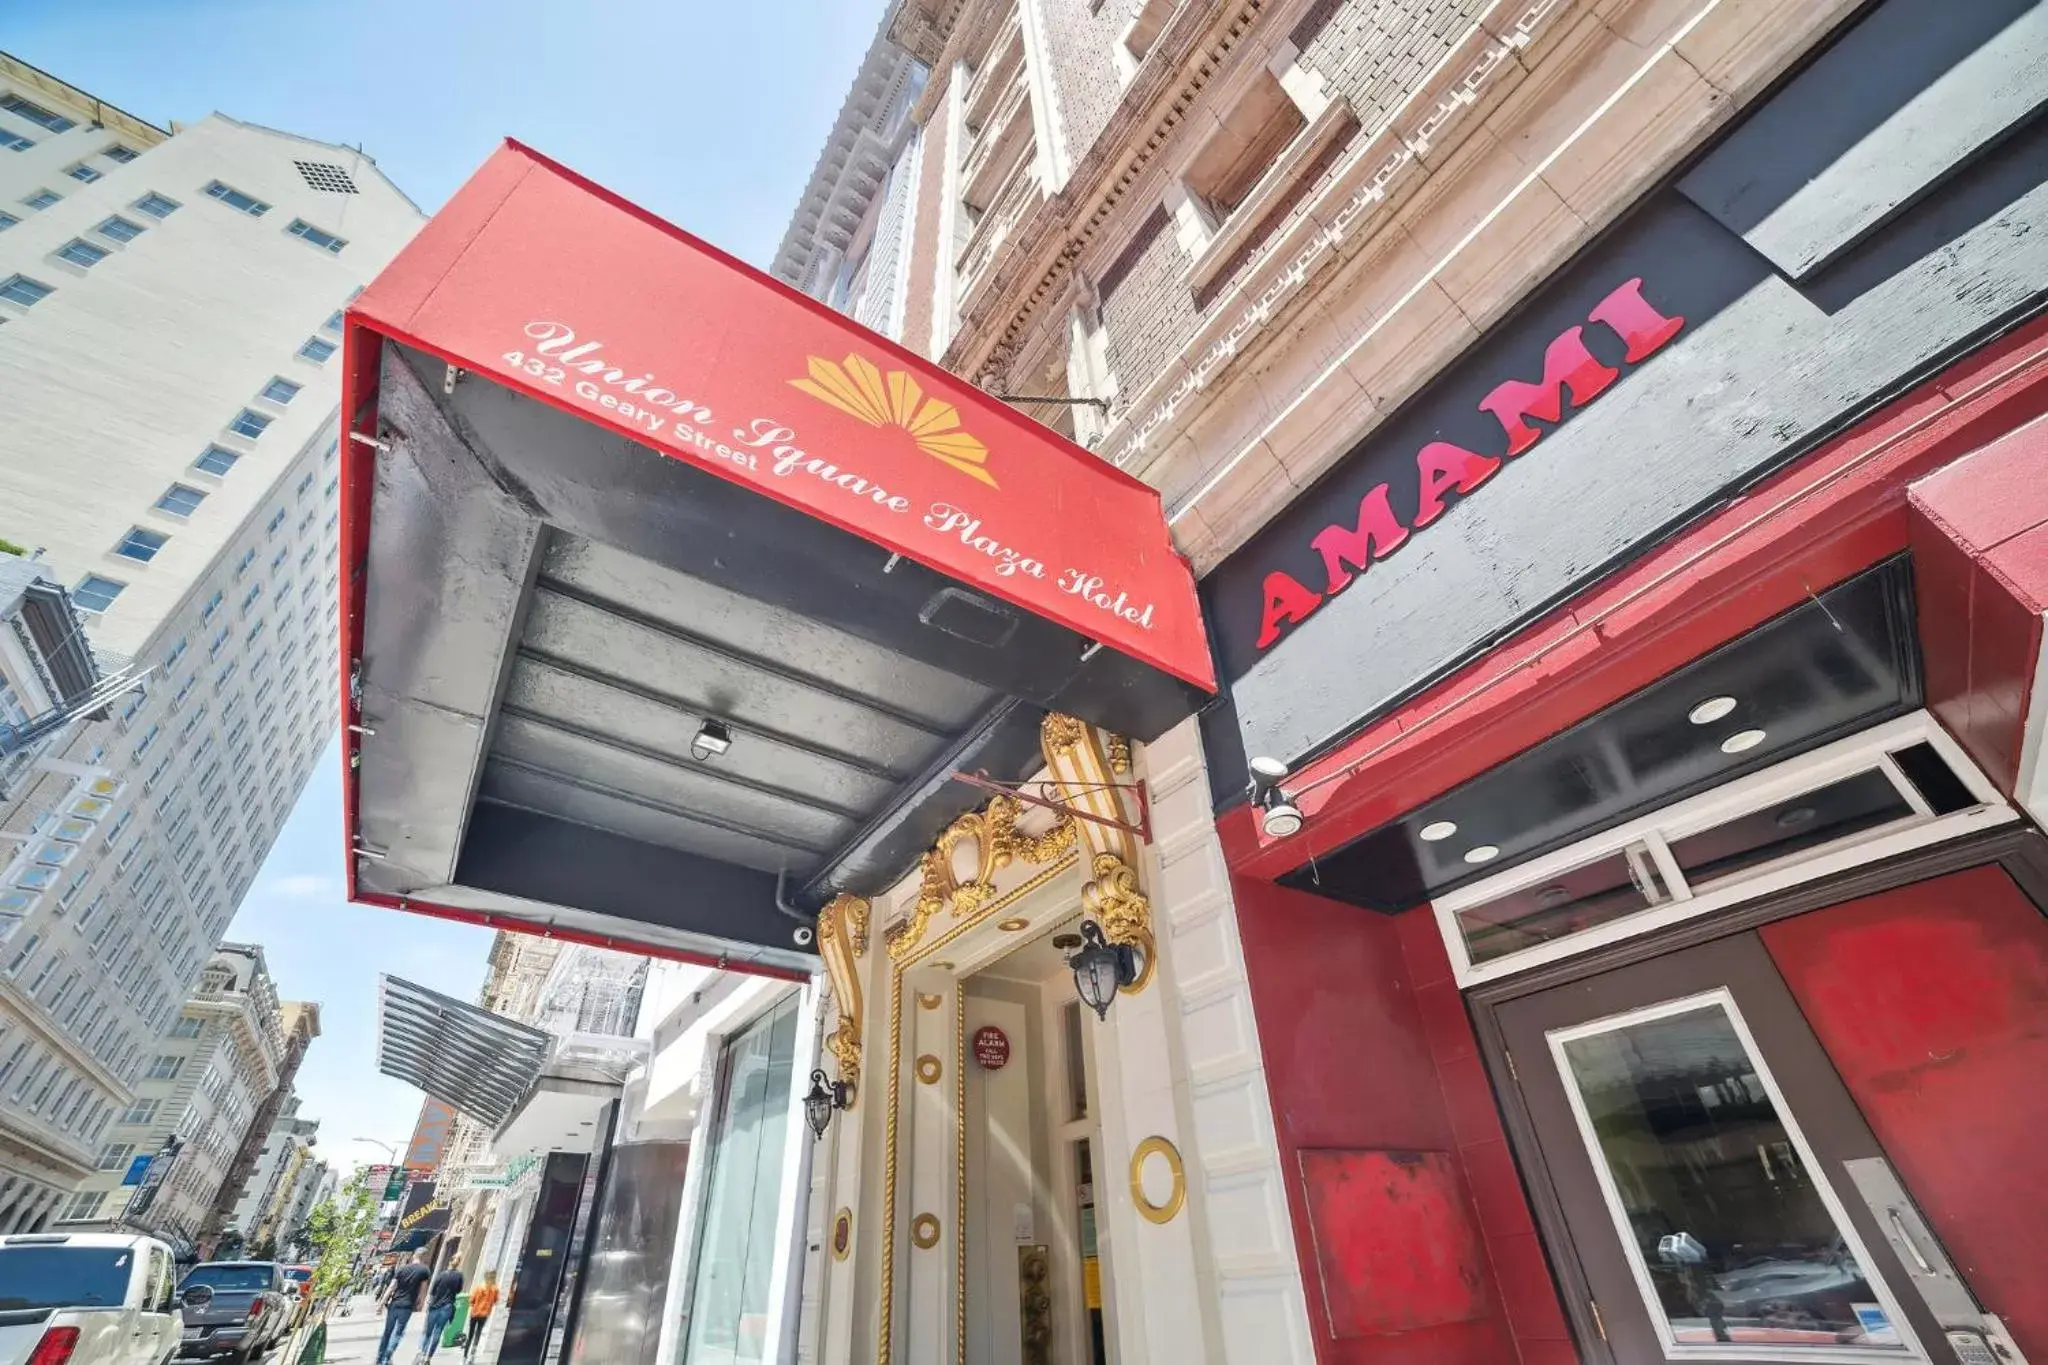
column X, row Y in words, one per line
column 1035, row 1246
column 1792, row 1142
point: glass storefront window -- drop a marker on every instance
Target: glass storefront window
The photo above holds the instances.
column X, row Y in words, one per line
column 1730, row 1237
column 738, row 1224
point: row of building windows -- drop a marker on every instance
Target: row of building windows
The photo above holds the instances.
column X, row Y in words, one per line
column 142, row 543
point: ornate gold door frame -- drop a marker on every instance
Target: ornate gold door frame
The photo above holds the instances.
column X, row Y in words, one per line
column 966, row 883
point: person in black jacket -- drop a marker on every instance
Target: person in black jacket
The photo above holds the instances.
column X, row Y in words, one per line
column 440, row 1308
column 401, row 1297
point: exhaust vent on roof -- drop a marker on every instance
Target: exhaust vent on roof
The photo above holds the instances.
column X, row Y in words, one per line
column 325, row 175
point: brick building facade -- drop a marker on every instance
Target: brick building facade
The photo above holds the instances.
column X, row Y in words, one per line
column 1257, row 233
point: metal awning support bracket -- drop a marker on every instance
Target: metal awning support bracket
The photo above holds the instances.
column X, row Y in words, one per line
column 1023, row 792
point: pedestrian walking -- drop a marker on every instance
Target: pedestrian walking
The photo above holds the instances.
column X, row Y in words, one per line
column 401, row 1297
column 482, row 1300
column 440, row 1309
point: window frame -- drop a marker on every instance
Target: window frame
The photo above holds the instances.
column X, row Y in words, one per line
column 78, row 593
column 129, row 227
column 92, row 252
column 332, row 243
column 146, row 205
column 223, row 193
column 232, row 458
column 142, row 538
column 17, row 278
column 1784, row 781
column 47, row 119
column 165, row 501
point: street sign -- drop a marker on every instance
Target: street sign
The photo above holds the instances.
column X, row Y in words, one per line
column 394, row 1187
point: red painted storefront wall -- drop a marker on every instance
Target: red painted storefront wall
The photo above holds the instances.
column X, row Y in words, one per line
column 1367, row 1041
column 1369, row 1050
column 1932, row 1002
column 1979, row 529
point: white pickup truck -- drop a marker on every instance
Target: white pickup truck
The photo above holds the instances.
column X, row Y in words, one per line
column 87, row 1299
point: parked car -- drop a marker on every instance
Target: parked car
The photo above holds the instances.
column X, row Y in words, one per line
column 86, row 1299
column 301, row 1277
column 237, row 1309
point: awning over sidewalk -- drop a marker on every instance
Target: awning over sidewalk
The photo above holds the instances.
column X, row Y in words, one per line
column 482, row 1063
column 677, row 598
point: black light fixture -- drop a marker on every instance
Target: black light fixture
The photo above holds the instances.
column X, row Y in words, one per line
column 711, row 740
column 1101, row 968
column 826, row 1095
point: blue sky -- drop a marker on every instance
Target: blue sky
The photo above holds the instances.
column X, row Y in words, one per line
column 710, row 113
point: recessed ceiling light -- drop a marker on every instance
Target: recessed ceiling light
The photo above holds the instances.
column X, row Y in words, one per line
column 1014, row 924
column 1742, row 740
column 1710, row 710
column 1485, row 853
column 1798, row 815
column 1551, row 895
column 1440, row 829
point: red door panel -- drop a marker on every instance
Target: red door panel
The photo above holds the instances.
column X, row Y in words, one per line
column 1932, row 1002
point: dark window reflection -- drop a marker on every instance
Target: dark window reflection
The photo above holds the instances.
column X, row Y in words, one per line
column 1592, row 894
column 1835, row 811
column 1722, row 1211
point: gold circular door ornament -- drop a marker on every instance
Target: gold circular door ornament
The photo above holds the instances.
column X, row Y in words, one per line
column 1176, row 1197
column 929, row 1002
column 924, row 1231
column 929, row 1069
column 842, row 1234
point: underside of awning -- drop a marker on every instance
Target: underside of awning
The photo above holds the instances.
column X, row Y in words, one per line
column 482, row 1063
column 612, row 497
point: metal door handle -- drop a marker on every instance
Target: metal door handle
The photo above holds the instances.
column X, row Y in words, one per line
column 1906, row 1240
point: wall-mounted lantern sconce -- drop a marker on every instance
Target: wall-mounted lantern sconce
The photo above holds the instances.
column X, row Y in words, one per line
column 1101, row 968
column 825, row 1096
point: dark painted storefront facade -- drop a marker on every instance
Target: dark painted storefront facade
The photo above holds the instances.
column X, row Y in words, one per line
column 1658, row 689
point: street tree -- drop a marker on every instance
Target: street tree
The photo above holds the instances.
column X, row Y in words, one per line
column 338, row 1230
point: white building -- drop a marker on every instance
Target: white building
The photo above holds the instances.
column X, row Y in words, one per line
column 168, row 352
column 203, row 1085
column 268, row 1197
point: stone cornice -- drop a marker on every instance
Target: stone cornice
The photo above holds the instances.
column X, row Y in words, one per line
column 1194, row 47
column 1370, row 183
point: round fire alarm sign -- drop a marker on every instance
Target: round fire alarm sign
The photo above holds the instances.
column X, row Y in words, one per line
column 991, row 1047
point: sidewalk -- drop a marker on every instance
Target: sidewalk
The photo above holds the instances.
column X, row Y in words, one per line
column 353, row 1340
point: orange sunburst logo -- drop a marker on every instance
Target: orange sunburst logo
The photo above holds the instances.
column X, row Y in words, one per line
column 856, row 387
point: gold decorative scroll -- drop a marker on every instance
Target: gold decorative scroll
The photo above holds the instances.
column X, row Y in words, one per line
column 843, row 936
column 995, row 841
column 1084, row 763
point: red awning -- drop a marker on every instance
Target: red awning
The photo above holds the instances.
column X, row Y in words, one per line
column 543, row 284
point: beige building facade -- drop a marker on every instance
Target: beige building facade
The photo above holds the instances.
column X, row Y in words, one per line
column 1240, row 235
